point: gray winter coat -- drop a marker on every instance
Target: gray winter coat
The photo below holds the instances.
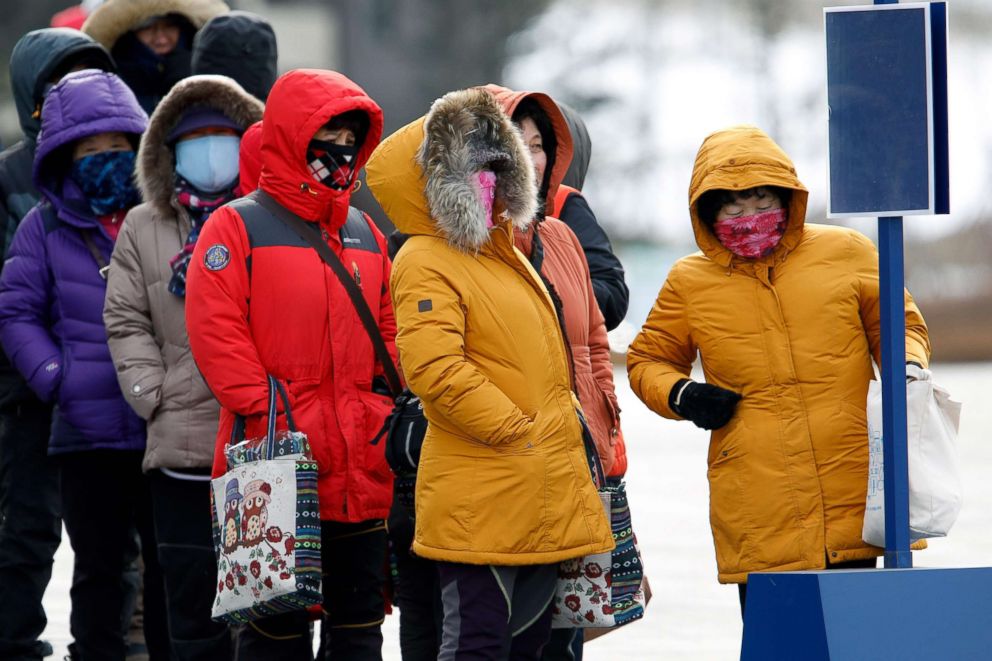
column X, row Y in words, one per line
column 146, row 324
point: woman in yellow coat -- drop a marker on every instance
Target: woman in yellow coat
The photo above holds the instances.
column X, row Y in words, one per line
column 785, row 318
column 504, row 491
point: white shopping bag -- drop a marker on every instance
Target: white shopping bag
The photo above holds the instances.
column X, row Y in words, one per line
column 934, row 474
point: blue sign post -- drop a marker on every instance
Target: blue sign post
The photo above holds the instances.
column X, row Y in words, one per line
column 887, row 100
column 887, row 103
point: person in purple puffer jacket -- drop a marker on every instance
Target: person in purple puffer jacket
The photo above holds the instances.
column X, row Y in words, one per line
column 52, row 290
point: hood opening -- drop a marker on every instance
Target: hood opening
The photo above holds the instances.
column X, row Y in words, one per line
column 464, row 132
column 739, row 158
column 555, row 136
column 302, row 101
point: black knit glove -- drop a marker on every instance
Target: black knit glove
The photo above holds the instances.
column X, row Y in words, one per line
column 709, row 407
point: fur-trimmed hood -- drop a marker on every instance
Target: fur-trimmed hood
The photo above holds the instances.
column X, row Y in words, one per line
column 114, row 18
column 422, row 174
column 156, row 167
column 509, row 100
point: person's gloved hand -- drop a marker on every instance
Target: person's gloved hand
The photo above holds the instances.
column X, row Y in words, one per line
column 708, row 406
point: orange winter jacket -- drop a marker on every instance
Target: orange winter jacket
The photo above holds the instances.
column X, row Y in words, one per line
column 503, row 476
column 564, row 265
column 618, row 465
column 795, row 333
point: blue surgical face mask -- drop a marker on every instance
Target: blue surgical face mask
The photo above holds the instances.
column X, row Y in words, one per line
column 107, row 181
column 209, row 163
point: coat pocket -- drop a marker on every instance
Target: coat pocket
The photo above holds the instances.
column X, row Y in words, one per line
column 729, row 518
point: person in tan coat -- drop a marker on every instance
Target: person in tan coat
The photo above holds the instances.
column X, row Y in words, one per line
column 144, row 315
column 504, row 490
column 784, row 317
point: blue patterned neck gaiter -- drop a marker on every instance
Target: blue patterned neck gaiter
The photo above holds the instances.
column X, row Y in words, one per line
column 107, row 181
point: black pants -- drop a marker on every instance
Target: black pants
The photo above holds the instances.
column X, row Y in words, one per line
column 495, row 613
column 564, row 645
column 869, row 563
column 353, row 556
column 418, row 589
column 104, row 498
column 184, row 533
column 30, row 527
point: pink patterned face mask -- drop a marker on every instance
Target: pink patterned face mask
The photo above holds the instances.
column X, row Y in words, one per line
column 485, row 183
column 752, row 236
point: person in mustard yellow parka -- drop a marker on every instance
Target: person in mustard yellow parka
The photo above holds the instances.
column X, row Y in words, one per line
column 504, row 490
column 784, row 316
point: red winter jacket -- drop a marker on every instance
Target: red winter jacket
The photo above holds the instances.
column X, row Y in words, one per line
column 267, row 304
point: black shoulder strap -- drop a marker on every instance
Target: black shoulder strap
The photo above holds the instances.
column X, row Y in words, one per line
column 354, row 293
column 101, row 261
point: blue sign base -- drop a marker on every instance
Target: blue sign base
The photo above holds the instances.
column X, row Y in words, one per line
column 869, row 614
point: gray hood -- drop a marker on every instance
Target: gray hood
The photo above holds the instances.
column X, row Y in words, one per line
column 241, row 45
column 39, row 55
column 581, row 148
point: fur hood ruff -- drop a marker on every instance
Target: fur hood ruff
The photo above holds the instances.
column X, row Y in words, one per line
column 114, row 18
column 156, row 160
column 466, row 131
column 424, row 174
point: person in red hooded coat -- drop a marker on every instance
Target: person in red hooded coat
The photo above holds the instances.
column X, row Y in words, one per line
column 260, row 302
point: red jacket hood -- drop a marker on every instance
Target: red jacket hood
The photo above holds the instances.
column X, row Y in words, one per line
column 301, row 102
column 250, row 158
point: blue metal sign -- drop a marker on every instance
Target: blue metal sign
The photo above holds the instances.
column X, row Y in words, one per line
column 887, row 109
column 840, row 615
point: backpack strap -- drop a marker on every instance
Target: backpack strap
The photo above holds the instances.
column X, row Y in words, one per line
column 561, row 195
column 98, row 257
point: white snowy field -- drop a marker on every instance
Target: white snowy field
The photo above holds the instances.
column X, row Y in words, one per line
column 692, row 617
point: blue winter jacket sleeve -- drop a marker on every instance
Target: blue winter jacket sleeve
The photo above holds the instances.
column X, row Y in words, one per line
column 26, row 291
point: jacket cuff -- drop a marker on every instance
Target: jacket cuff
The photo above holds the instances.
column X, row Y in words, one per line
column 46, row 379
column 917, row 353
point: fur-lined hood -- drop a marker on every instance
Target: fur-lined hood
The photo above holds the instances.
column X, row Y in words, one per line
column 558, row 162
column 156, row 167
column 422, row 174
column 114, row 18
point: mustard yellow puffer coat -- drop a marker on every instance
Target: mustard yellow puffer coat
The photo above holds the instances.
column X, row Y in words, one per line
column 503, row 476
column 795, row 333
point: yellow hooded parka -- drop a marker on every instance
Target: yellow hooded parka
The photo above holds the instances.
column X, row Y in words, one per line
column 795, row 333
column 503, row 476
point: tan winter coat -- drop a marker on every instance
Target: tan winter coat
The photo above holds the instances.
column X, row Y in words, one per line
column 146, row 324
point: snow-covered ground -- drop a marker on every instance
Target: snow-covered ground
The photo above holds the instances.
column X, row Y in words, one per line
column 692, row 617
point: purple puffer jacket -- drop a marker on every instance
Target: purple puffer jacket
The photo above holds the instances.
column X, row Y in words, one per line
column 51, row 292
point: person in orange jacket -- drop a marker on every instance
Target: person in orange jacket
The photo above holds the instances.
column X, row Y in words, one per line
column 784, row 316
column 556, row 253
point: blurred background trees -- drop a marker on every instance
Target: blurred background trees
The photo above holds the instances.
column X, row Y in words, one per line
column 652, row 79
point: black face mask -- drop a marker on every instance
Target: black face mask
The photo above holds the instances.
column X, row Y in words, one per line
column 331, row 164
